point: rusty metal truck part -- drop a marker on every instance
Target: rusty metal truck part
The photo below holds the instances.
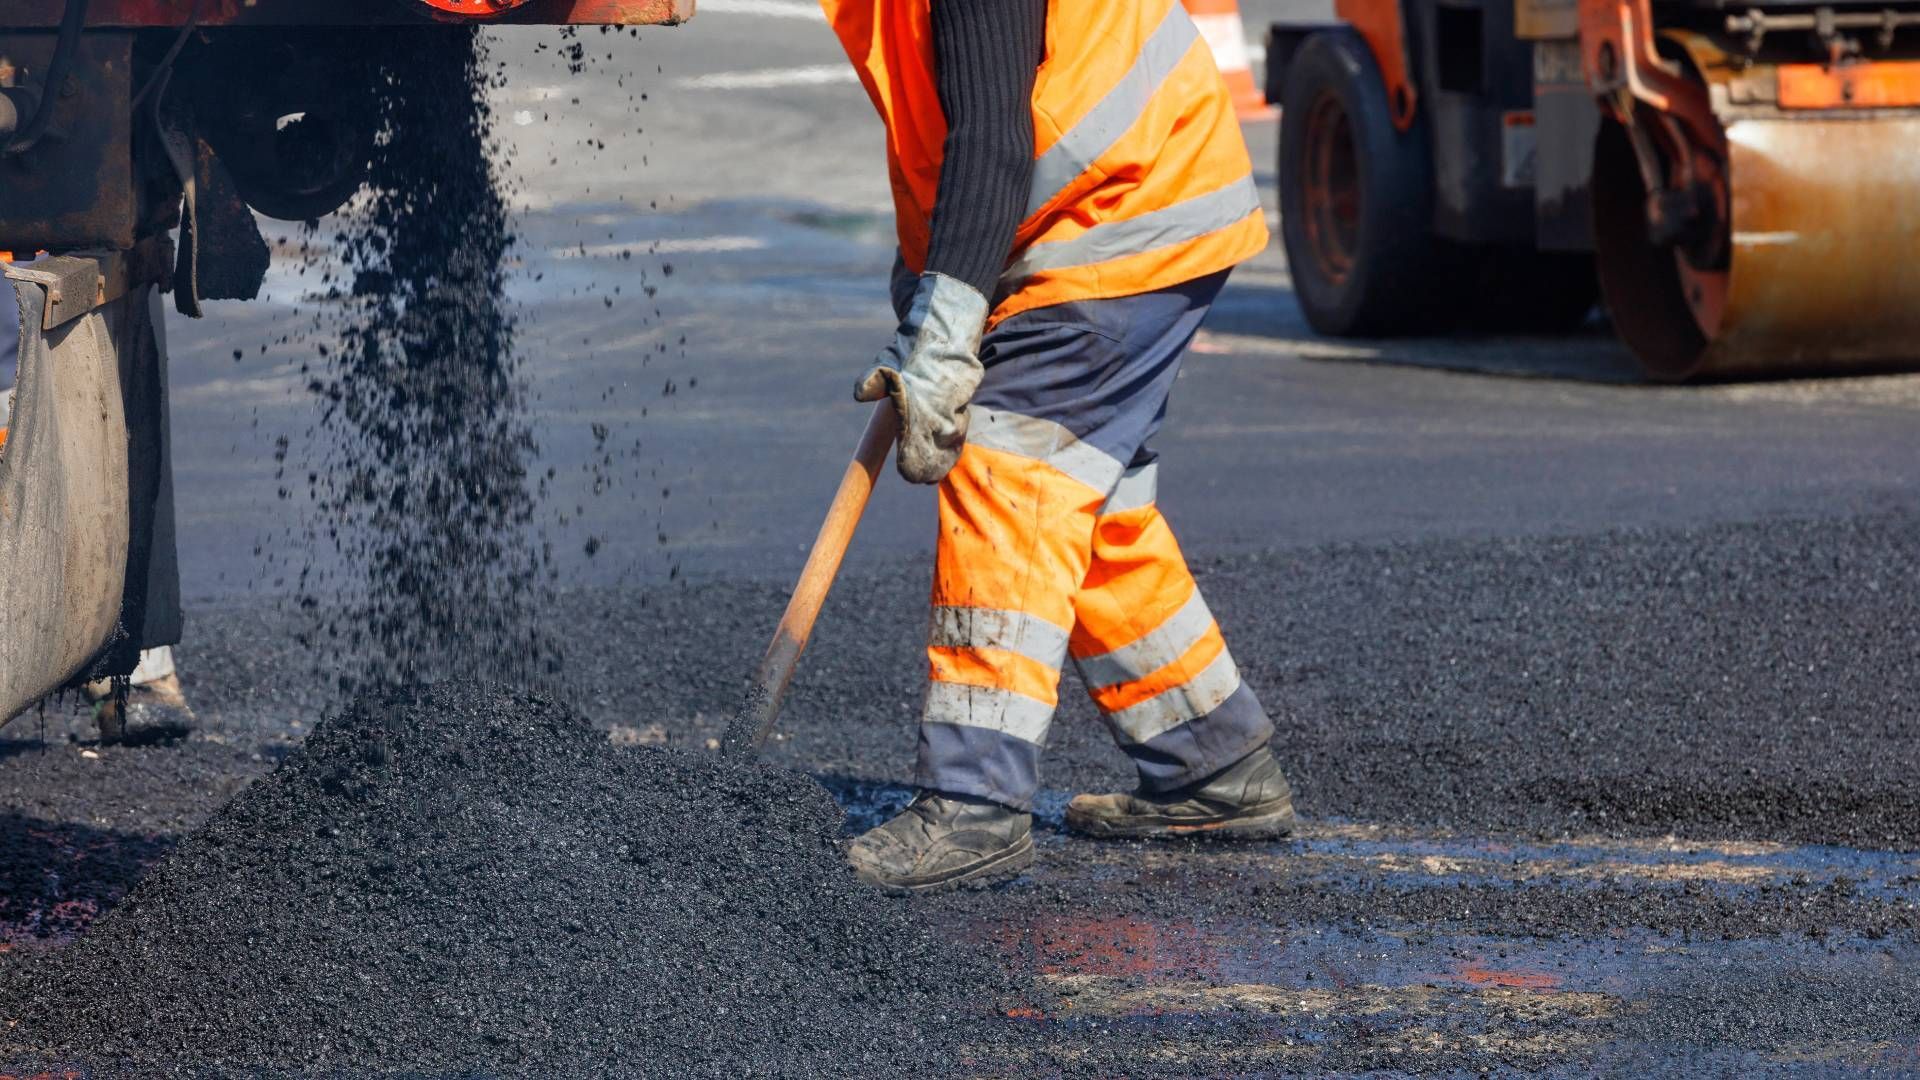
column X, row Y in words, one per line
column 120, row 121
column 64, row 513
column 1766, row 221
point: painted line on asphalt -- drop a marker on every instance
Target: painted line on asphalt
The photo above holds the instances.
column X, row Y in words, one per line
column 772, row 78
column 778, row 9
column 686, row 245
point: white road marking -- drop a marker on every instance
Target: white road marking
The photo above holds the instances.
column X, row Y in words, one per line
column 778, row 9
column 686, row 245
column 1765, row 239
column 772, row 78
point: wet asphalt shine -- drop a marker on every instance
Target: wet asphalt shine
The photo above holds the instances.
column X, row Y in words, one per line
column 1597, row 697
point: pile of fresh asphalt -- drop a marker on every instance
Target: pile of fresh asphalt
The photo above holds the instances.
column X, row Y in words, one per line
column 475, row 881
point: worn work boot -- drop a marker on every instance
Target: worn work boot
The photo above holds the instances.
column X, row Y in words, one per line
column 1248, row 800
column 939, row 842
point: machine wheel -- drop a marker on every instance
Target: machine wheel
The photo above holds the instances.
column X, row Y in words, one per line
column 1641, row 279
column 1356, row 197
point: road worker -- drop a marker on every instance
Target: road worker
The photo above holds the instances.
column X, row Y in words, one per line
column 1070, row 190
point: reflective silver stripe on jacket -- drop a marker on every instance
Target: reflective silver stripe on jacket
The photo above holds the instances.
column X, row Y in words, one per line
column 1152, row 651
column 1174, row 224
column 1137, row 488
column 1176, row 705
column 1043, row 441
column 1015, row 715
column 1082, row 144
column 993, row 628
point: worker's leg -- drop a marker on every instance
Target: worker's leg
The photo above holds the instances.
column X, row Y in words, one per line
column 1071, row 394
column 1152, row 656
column 1154, row 661
column 1016, row 526
column 1016, row 531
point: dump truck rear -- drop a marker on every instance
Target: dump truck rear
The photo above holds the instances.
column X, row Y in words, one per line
column 120, row 122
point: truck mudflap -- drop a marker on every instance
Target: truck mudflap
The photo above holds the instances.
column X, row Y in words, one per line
column 82, row 482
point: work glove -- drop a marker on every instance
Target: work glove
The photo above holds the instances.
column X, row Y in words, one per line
column 931, row 371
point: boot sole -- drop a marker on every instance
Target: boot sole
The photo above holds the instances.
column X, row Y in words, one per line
column 1268, row 821
column 1007, row 863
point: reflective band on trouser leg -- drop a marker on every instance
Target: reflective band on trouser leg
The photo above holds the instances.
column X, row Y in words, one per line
column 1016, row 528
column 1151, row 653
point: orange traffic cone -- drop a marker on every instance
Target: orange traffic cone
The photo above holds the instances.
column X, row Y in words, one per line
column 1219, row 22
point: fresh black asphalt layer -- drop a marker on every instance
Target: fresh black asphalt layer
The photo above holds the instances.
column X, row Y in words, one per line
column 478, row 882
column 1618, row 757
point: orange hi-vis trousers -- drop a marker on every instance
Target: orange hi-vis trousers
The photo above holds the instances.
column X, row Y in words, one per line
column 1051, row 546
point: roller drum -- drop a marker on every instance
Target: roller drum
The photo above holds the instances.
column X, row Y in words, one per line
column 1824, row 267
column 1825, row 271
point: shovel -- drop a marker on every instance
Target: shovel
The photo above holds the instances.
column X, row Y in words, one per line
column 754, row 722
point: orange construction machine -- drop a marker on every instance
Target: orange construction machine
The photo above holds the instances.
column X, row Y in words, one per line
column 1741, row 178
column 120, row 122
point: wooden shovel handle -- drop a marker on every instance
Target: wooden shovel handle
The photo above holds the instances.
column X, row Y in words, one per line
column 752, row 724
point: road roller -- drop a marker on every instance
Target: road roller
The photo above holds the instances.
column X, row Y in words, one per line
column 138, row 139
column 1738, row 181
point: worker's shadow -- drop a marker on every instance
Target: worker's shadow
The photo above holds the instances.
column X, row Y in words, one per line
column 868, row 803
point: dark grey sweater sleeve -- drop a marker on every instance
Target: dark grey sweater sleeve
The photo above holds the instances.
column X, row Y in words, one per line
column 986, row 54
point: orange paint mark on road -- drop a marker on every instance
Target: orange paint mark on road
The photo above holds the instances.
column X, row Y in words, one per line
column 1513, row 980
column 1204, row 344
column 1109, row 945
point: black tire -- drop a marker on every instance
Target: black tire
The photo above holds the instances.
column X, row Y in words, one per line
column 1356, row 206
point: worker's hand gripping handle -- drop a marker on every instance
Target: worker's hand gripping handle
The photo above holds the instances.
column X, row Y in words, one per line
column 754, row 721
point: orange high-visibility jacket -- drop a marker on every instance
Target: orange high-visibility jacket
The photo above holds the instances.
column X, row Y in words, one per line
column 1141, row 177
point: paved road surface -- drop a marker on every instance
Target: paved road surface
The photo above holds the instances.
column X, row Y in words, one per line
column 763, row 159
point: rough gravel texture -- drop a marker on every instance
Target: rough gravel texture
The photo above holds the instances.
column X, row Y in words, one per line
column 1748, row 681
column 1748, row 684
column 476, row 880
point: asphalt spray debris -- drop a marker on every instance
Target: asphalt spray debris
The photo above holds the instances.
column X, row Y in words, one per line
column 426, row 493
column 475, row 881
